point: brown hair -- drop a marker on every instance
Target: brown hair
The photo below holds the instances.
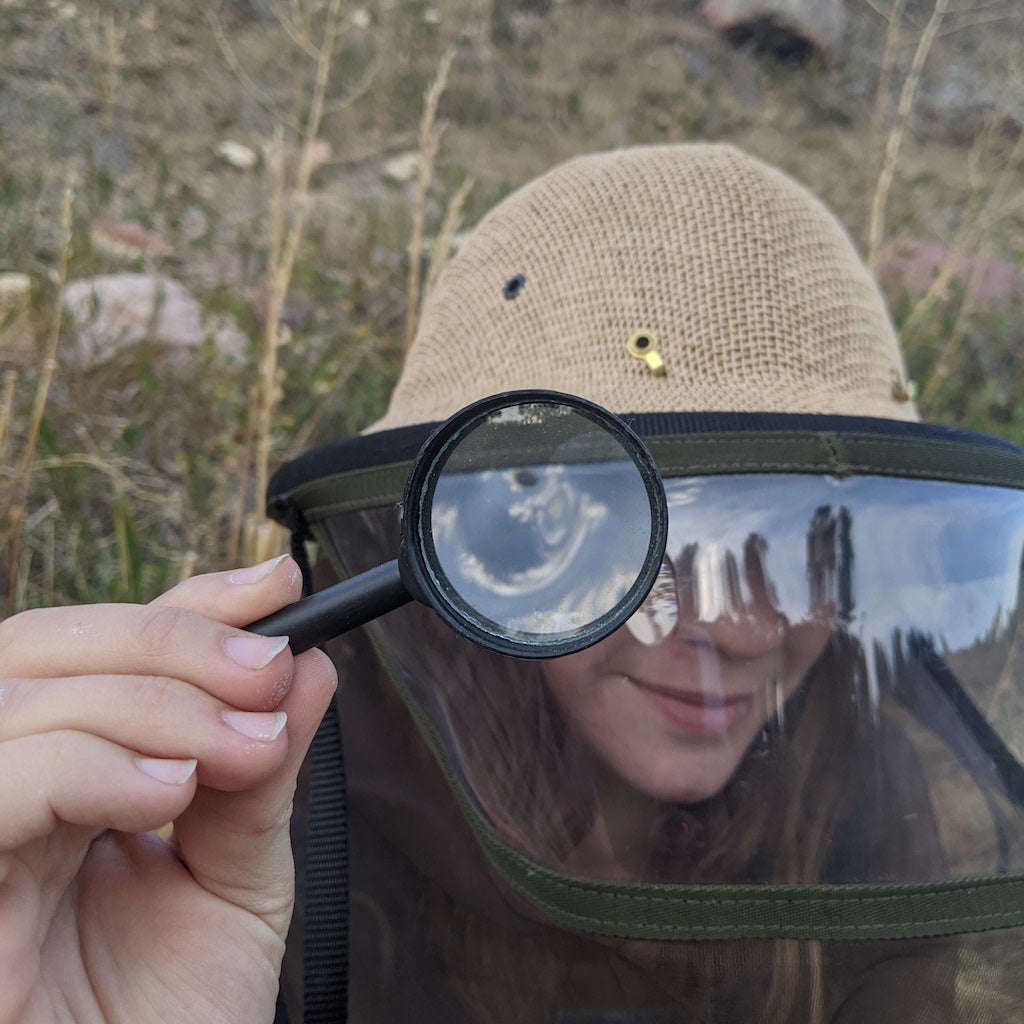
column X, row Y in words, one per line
column 776, row 821
column 783, row 817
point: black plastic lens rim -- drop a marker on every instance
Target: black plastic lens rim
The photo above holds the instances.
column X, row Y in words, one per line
column 426, row 580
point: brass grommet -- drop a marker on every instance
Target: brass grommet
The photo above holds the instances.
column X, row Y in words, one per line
column 643, row 345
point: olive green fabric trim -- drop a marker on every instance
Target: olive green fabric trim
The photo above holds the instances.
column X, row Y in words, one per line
column 819, row 912
column 839, row 455
column 350, row 492
column 719, row 912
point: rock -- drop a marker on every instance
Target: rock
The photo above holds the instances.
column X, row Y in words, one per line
column 788, row 29
column 403, row 168
column 127, row 240
column 17, row 339
column 117, row 311
column 320, row 153
column 237, row 155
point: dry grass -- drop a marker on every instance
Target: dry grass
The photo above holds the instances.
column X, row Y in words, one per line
column 429, row 143
column 894, row 138
column 994, row 198
column 112, row 32
column 131, row 465
column 252, row 536
column 14, row 504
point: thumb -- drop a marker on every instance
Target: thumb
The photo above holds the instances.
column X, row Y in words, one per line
column 236, row 844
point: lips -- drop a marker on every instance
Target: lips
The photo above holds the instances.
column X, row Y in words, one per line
column 695, row 713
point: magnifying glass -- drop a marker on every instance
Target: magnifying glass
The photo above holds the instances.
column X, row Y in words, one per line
column 533, row 522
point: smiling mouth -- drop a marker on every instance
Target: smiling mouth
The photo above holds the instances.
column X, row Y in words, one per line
column 696, row 713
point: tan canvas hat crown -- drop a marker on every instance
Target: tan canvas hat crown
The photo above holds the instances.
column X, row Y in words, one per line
column 748, row 288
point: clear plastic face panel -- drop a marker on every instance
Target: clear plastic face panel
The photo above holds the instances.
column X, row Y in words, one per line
column 825, row 684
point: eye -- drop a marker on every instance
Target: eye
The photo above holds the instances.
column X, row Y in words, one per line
column 513, row 286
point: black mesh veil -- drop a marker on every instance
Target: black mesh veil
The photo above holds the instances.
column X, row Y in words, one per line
column 789, row 789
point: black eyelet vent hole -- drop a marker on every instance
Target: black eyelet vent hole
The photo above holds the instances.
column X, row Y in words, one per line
column 642, row 343
column 513, row 286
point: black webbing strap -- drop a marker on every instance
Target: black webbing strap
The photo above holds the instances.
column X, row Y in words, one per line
column 325, row 864
column 299, row 533
column 325, row 920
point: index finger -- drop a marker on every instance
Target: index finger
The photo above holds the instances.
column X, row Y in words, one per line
column 239, row 596
column 189, row 634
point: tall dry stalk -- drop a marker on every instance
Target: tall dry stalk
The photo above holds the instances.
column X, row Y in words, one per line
column 429, row 144
column 108, row 75
column 17, row 494
column 446, row 235
column 894, row 139
column 887, row 65
column 7, row 412
column 289, row 208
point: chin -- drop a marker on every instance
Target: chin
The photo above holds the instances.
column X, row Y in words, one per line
column 686, row 784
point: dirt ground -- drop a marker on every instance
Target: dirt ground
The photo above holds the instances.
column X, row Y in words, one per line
column 135, row 99
column 163, row 117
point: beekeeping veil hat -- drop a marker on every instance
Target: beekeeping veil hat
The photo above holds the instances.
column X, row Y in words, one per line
column 790, row 788
column 745, row 285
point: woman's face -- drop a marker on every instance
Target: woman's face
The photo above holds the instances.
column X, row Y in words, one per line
column 675, row 719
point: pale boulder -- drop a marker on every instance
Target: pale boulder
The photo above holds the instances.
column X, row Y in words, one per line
column 113, row 312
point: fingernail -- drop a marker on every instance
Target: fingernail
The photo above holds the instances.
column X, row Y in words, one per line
column 173, row 771
column 256, row 725
column 255, row 573
column 251, row 651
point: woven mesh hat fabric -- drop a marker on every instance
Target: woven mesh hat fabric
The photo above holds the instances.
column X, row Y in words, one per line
column 753, row 291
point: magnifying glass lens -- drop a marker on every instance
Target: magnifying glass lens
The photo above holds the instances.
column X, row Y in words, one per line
column 535, row 523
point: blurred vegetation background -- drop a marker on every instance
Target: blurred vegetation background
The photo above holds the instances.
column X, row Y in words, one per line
column 217, row 222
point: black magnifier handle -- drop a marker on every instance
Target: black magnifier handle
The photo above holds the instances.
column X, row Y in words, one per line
column 493, row 576
column 348, row 604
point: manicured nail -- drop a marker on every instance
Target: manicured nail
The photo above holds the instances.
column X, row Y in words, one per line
column 173, row 771
column 256, row 725
column 255, row 573
column 251, row 651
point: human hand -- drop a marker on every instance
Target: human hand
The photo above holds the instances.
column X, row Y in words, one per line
column 115, row 719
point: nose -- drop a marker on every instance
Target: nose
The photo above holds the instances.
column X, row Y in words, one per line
column 707, row 587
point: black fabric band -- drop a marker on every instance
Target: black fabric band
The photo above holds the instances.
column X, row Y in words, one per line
column 326, row 913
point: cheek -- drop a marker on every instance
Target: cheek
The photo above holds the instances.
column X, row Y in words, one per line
column 588, row 689
column 572, row 683
column 574, row 677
